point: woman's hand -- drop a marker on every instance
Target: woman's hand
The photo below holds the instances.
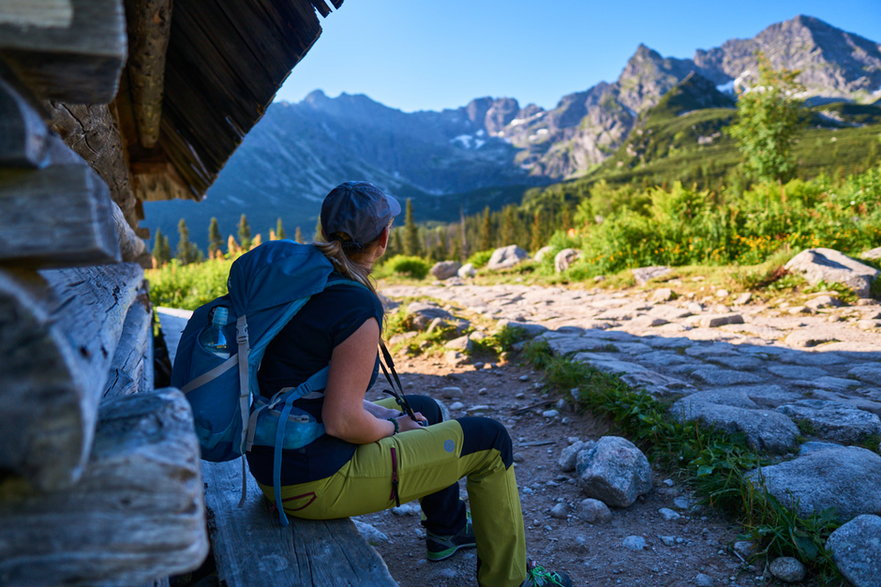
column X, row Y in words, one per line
column 405, row 422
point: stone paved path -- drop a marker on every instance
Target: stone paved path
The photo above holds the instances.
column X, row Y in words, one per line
column 756, row 368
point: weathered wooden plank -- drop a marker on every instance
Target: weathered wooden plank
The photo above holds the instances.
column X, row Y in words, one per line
column 58, row 333
column 23, row 134
column 74, row 52
column 252, row 549
column 136, row 515
column 322, row 7
column 132, row 368
column 336, row 3
column 93, row 134
column 56, row 217
column 149, row 27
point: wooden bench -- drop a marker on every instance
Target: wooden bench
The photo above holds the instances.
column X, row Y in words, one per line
column 251, row 548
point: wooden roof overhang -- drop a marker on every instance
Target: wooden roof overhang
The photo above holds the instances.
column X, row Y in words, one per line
column 183, row 81
column 225, row 60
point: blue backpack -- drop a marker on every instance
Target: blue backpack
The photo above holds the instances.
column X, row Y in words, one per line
column 267, row 287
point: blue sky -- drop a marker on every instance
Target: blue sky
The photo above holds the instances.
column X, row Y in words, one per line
column 434, row 54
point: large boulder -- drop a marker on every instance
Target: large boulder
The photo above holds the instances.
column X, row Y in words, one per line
column 507, row 257
column 832, row 420
column 844, row 479
column 445, row 269
column 467, row 270
column 856, row 549
column 764, row 430
column 872, row 254
column 564, row 259
column 831, row 266
column 542, row 252
column 422, row 314
column 614, row 471
column 643, row 274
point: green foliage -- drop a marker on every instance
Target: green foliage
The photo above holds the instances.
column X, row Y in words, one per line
column 412, row 245
column 215, row 240
column 404, row 265
column 188, row 286
column 161, row 249
column 187, row 251
column 244, row 232
column 768, row 118
column 498, row 342
column 714, row 463
column 480, row 258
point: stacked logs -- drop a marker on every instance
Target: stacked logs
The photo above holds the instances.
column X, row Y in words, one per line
column 99, row 472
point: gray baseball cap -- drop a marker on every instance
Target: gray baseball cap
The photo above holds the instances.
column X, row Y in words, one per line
column 355, row 212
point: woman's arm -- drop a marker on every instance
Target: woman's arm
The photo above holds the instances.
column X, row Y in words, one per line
column 351, row 366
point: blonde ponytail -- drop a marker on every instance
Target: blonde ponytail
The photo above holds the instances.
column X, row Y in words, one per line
column 349, row 268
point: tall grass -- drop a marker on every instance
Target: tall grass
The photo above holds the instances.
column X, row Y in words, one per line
column 188, row 286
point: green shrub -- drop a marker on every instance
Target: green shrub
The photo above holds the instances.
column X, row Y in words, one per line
column 406, row 266
column 188, row 286
column 480, row 258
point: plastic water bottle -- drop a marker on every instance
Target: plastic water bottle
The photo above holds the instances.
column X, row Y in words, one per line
column 213, row 339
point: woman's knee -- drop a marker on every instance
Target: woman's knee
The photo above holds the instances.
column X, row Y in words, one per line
column 427, row 406
column 485, row 434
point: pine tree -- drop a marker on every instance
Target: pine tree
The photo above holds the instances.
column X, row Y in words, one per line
column 187, row 251
column 244, row 232
column 484, row 238
column 161, row 249
column 215, row 241
column 506, row 231
column 298, row 235
column 535, row 238
column 279, row 228
column 318, row 234
column 412, row 245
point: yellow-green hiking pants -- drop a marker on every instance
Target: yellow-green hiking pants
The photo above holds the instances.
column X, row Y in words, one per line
column 427, row 464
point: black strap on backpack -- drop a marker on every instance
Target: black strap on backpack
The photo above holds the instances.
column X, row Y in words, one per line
column 397, row 390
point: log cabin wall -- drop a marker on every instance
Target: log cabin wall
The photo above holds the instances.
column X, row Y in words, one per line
column 105, row 104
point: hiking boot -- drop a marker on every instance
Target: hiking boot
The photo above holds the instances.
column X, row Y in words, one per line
column 538, row 576
column 443, row 547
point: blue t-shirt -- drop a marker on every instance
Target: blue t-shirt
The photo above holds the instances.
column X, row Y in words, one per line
column 303, row 347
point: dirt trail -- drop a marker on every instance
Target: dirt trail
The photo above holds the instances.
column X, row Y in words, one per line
column 693, row 549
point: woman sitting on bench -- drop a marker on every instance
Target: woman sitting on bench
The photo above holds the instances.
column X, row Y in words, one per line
column 372, row 456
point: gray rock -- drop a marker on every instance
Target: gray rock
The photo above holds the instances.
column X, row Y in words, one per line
column 463, row 343
column 736, row 362
column 593, row 511
column 614, row 471
column 635, row 375
column 451, row 392
column 823, row 301
column 813, row 446
column 559, row 511
column 834, row 383
column 868, row 373
column 569, row 455
column 550, row 414
column 669, row 514
column 643, row 274
column 634, row 543
column 564, row 259
column 716, row 376
column 844, row 479
column 764, row 430
column 423, row 313
column 527, row 329
column 702, row 580
column 662, row 294
column 455, row 358
column 667, row 540
column 743, row 298
column 744, row 548
column 683, row 503
column 787, row 569
column 871, row 254
column 796, row 371
column 505, row 257
column 457, row 406
column 542, row 252
column 720, row 320
column 831, row 266
column 564, row 344
column 809, row 338
column 445, row 269
column 831, row 420
column 467, row 270
column 856, row 549
column 370, row 533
